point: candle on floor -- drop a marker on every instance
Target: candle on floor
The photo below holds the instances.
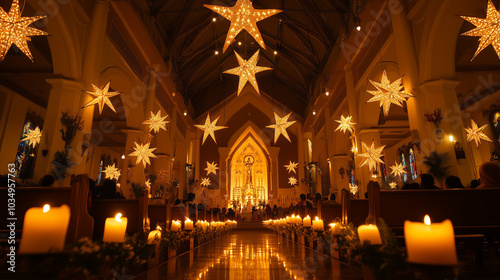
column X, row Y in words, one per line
column 115, row 228
column 318, row 224
column 188, row 224
column 44, row 229
column 369, row 233
column 307, row 221
column 432, row 244
column 154, row 236
column 176, row 225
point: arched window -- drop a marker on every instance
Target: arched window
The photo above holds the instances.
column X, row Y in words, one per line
column 403, row 162
column 413, row 164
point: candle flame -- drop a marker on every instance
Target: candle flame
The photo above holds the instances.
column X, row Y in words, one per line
column 308, row 217
column 46, row 208
column 298, row 217
column 333, row 224
column 118, row 217
column 188, row 220
column 158, row 228
column 427, row 220
column 317, row 219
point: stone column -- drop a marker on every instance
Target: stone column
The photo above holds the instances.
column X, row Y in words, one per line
column 364, row 175
column 274, row 172
column 339, row 183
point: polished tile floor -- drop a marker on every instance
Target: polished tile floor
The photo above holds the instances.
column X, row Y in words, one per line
column 252, row 255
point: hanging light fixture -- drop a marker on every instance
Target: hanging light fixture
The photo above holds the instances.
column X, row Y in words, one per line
column 357, row 19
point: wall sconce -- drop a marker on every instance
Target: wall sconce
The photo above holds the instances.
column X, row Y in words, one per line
column 342, row 172
column 314, row 112
column 451, row 138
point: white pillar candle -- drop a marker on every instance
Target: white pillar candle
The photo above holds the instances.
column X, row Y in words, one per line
column 318, row 224
column 369, row 233
column 432, row 244
column 188, row 224
column 176, row 225
column 44, row 229
column 307, row 221
column 115, row 228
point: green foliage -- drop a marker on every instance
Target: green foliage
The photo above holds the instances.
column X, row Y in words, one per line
column 61, row 163
column 172, row 240
column 137, row 189
column 436, row 163
column 70, row 126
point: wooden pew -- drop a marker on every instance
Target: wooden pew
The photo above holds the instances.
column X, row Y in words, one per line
column 329, row 212
column 158, row 214
column 76, row 197
column 472, row 211
column 135, row 210
column 353, row 210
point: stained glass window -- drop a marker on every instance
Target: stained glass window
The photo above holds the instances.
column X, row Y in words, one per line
column 413, row 164
column 403, row 162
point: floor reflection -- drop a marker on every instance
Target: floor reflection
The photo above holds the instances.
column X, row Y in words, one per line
column 256, row 255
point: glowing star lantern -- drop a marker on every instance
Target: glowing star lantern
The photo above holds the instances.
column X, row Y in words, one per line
column 487, row 28
column 243, row 16
column 15, row 30
column 476, row 133
column 156, row 122
column 292, row 181
column 280, row 127
column 33, row 136
column 372, row 156
column 247, row 70
column 101, row 97
column 388, row 93
column 393, row 185
column 114, row 229
column 205, row 182
column 291, row 167
column 211, row 168
column 209, row 128
column 112, row 172
column 143, row 153
column 147, row 184
column 345, row 124
column 398, row 169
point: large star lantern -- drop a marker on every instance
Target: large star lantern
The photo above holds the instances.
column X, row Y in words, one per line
column 33, row 136
column 388, row 93
column 156, row 122
column 243, row 16
column 15, row 30
column 211, row 168
column 372, row 156
column 143, row 153
column 487, row 28
column 292, row 166
column 247, row 70
column 398, row 169
column 476, row 133
column 209, row 128
column 147, row 184
column 101, row 97
column 280, row 127
column 292, row 181
column 345, row 124
column 205, row 182
column 112, row 172
column 393, row 185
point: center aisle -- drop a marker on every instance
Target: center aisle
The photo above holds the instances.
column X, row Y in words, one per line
column 256, row 255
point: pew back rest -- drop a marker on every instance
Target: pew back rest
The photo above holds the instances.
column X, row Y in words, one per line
column 354, row 210
column 178, row 213
column 329, row 212
column 157, row 215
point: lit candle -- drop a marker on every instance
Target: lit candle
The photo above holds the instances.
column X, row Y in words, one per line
column 298, row 220
column 176, row 225
column 188, row 224
column 430, row 244
column 44, row 229
column 154, row 236
column 318, row 224
column 369, row 233
column 334, row 228
column 307, row 221
column 114, row 229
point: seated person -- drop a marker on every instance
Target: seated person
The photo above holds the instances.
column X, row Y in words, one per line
column 332, row 200
column 453, row 182
column 474, row 184
column 304, row 202
column 489, row 173
column 178, row 203
column 108, row 190
column 47, row 181
column 427, row 182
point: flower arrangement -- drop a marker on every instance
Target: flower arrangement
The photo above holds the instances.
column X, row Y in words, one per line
column 434, row 117
column 171, row 240
column 70, row 126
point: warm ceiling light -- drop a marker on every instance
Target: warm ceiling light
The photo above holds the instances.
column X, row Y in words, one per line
column 239, row 43
column 275, row 52
column 214, row 19
column 216, row 52
column 327, row 93
column 314, row 112
column 185, row 112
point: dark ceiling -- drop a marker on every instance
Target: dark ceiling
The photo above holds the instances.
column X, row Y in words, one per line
column 304, row 35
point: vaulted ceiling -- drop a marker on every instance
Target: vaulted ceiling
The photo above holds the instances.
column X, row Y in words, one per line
column 303, row 36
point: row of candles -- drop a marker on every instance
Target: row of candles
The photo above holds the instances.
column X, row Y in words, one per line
column 317, row 224
column 45, row 228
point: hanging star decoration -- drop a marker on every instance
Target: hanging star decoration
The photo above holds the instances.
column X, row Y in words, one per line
column 209, row 128
column 280, row 127
column 112, row 172
column 353, row 188
column 345, row 124
column 243, row 17
column 211, row 168
column 101, row 97
column 388, row 93
column 487, row 28
column 205, row 182
column 143, row 153
column 292, row 181
column 372, row 156
column 147, row 183
column 476, row 133
column 15, row 30
column 156, row 122
column 33, row 136
column 393, row 185
column 292, row 166
column 398, row 169
column 247, row 70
